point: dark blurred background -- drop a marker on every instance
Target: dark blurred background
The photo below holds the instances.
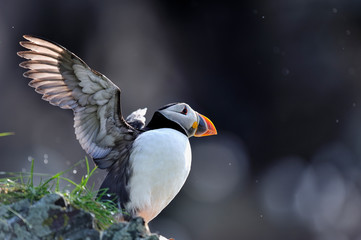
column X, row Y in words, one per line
column 280, row 79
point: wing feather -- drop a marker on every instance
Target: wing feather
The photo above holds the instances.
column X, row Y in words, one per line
column 66, row 81
column 37, row 65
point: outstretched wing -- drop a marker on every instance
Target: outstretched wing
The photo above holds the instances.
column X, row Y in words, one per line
column 66, row 81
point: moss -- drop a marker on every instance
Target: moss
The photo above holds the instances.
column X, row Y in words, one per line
column 48, row 222
column 66, row 220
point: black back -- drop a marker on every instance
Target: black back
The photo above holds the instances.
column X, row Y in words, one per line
column 160, row 121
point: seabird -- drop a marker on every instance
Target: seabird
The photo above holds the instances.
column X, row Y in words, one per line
column 147, row 164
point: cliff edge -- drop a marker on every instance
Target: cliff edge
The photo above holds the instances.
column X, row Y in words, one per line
column 52, row 217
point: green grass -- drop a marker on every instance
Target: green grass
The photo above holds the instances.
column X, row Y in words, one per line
column 17, row 186
column 6, row 134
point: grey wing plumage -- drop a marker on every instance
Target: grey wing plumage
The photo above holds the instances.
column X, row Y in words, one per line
column 66, row 81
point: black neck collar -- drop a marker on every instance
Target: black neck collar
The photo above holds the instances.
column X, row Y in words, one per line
column 160, row 121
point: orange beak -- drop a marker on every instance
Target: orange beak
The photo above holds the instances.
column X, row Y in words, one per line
column 205, row 127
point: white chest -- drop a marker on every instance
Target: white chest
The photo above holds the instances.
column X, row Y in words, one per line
column 160, row 161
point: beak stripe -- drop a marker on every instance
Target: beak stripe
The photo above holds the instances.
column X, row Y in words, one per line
column 205, row 127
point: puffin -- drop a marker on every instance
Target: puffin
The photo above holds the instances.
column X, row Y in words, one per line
column 146, row 164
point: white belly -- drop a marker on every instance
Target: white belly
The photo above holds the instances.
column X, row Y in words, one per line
column 160, row 161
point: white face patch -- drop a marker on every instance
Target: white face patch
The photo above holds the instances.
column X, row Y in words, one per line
column 183, row 115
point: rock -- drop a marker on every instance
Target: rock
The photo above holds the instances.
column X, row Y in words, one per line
column 51, row 218
column 134, row 229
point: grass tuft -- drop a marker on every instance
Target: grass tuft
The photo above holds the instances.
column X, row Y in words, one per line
column 18, row 186
column 6, row 134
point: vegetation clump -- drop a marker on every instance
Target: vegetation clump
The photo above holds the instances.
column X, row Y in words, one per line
column 19, row 186
column 44, row 211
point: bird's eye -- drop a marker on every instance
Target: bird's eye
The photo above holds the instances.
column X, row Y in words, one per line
column 184, row 111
